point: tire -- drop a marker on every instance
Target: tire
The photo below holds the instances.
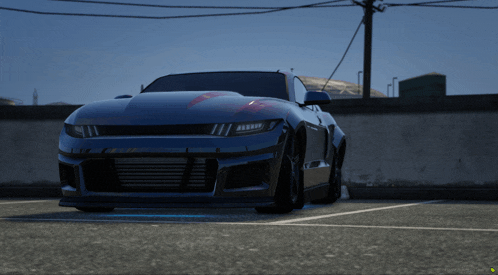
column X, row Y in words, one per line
column 335, row 182
column 290, row 188
column 95, row 209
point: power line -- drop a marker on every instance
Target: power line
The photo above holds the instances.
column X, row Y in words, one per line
column 170, row 17
column 195, row 7
column 133, row 16
column 451, row 6
column 431, row 4
column 344, row 55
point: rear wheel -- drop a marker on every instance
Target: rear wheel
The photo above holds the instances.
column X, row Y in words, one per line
column 335, row 182
column 289, row 193
column 95, row 209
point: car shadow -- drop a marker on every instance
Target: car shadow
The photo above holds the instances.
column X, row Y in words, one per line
column 162, row 215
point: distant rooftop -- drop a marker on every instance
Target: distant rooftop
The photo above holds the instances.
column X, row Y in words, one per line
column 337, row 89
column 429, row 74
column 59, row 103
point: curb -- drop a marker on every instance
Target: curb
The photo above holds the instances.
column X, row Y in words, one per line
column 344, row 193
column 426, row 193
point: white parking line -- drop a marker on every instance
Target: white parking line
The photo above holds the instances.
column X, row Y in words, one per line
column 254, row 223
column 12, row 202
column 348, row 213
column 365, row 226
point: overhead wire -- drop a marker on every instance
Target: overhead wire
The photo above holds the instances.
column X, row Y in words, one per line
column 431, row 4
column 344, row 55
column 193, row 7
column 171, row 17
column 452, row 6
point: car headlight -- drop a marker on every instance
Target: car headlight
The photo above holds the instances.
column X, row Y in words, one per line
column 220, row 129
column 243, row 128
column 81, row 131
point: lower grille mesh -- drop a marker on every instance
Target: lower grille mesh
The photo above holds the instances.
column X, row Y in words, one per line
column 248, row 175
column 150, row 175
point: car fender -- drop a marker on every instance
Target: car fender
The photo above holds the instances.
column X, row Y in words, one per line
column 338, row 136
column 296, row 123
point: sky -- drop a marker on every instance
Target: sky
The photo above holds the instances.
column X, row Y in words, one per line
column 79, row 60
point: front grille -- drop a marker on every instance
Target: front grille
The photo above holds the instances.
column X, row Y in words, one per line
column 148, row 130
column 150, row 175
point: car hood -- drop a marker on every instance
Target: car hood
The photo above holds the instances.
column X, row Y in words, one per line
column 162, row 108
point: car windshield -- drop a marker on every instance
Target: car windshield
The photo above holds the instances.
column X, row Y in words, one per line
column 259, row 84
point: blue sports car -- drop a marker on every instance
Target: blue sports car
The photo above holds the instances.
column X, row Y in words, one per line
column 213, row 139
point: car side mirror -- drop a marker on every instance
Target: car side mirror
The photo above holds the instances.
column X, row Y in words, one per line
column 316, row 98
column 123, row 96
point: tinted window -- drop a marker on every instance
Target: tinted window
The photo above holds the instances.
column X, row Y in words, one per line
column 246, row 83
column 300, row 90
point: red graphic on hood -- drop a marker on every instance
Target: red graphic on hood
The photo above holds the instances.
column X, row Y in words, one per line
column 255, row 106
column 204, row 97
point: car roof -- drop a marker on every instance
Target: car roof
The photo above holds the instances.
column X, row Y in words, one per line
column 207, row 72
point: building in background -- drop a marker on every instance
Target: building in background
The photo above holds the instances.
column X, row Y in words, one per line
column 432, row 84
column 6, row 101
column 337, row 89
column 343, row 96
column 10, row 101
column 59, row 103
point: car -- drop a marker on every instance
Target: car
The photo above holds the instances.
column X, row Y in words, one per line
column 210, row 139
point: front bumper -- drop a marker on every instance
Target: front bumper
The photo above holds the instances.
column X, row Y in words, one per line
column 217, row 172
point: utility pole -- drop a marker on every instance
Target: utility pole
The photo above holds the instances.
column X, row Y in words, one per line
column 367, row 52
column 393, row 84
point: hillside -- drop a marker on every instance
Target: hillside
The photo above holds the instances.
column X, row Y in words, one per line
column 336, row 88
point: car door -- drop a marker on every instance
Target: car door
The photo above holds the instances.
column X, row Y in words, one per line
column 316, row 170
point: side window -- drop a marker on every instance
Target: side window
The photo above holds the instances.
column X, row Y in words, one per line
column 300, row 90
column 317, row 108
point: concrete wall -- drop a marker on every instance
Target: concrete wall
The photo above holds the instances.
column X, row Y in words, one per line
column 450, row 141
column 29, row 151
column 424, row 149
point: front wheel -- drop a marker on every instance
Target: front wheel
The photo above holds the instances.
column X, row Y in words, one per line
column 290, row 188
column 335, row 182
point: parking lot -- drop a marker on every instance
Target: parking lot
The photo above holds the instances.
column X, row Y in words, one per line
column 347, row 237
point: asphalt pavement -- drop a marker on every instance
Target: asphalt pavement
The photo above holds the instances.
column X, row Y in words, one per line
column 347, row 237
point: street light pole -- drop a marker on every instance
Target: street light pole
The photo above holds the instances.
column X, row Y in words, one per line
column 393, row 85
column 388, row 89
column 359, row 72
